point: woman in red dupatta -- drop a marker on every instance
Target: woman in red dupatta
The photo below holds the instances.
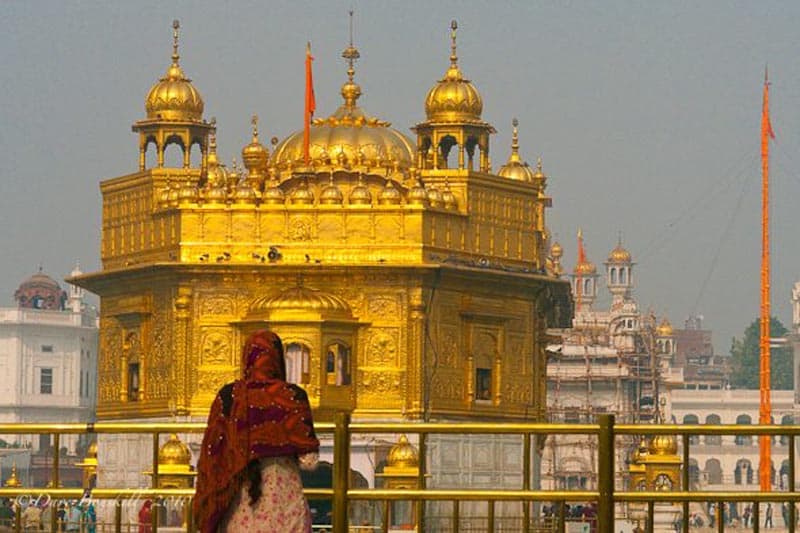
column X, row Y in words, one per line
column 258, row 427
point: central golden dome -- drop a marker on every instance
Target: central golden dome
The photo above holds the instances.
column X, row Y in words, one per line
column 347, row 140
column 174, row 97
column 453, row 98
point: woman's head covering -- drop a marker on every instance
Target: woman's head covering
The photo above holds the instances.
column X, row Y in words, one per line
column 262, row 357
column 255, row 417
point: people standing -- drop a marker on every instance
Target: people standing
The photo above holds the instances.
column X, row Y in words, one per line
column 768, row 516
column 146, row 517
column 259, row 432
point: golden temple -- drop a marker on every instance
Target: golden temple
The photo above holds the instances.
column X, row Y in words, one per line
column 406, row 278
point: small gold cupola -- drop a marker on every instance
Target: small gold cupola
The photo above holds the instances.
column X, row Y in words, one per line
column 255, row 158
column 174, row 110
column 453, row 110
column 516, row 168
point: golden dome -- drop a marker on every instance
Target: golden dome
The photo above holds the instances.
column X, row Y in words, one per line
column 302, row 299
column 360, row 194
column 13, row 481
column 619, row 255
column 174, row 452
column 556, row 251
column 174, row 97
column 244, row 192
column 273, row 194
column 448, row 198
column 255, row 156
column 586, row 267
column 389, row 195
column 331, row 194
column 663, row 445
column 91, row 451
column 418, row 195
column 188, row 193
column 347, row 139
column 302, row 194
column 435, row 197
column 664, row 329
column 516, row 168
column 453, row 98
column 403, row 454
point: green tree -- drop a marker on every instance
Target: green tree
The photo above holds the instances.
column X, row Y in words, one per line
column 745, row 359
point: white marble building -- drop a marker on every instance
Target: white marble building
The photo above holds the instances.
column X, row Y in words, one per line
column 48, row 357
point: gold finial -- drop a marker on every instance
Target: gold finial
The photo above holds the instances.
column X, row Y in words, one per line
column 539, row 163
column 514, row 140
column 175, row 26
column 254, row 122
column 351, row 53
column 453, row 55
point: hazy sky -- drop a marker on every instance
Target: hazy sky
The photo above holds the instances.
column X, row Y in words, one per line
column 647, row 116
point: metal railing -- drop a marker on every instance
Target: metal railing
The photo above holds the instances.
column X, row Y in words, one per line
column 607, row 498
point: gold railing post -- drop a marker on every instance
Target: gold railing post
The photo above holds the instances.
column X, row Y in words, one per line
column 17, row 517
column 423, row 468
column 456, row 516
column 685, row 482
column 526, row 481
column 605, row 463
column 117, row 516
column 155, row 501
column 651, row 506
column 341, row 471
column 756, row 516
column 56, row 458
column 792, row 505
column 490, row 518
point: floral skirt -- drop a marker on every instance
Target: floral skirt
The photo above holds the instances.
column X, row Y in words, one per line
column 282, row 507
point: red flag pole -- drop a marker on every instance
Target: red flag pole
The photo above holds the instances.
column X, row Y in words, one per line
column 310, row 107
column 765, row 405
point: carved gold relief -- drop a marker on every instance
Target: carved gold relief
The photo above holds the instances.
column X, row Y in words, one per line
column 382, row 348
column 215, row 347
column 379, row 383
column 383, row 307
column 300, row 229
column 216, row 305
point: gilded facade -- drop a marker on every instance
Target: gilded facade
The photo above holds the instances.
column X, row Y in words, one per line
column 406, row 277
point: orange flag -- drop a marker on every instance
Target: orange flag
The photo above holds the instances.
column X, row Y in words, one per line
column 311, row 105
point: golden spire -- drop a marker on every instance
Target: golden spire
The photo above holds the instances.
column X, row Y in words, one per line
column 175, row 57
column 453, row 55
column 514, row 142
column 254, row 122
column 350, row 90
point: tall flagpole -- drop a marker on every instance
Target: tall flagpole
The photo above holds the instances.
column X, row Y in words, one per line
column 765, row 406
column 310, row 106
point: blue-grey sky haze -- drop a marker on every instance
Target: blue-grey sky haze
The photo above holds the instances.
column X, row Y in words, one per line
column 646, row 114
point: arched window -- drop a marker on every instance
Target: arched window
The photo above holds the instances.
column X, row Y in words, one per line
column 587, row 287
column 786, row 420
column 713, row 440
column 173, row 153
column 337, row 364
column 298, row 356
column 743, row 473
column 694, row 473
column 613, row 275
column 691, row 420
column 743, row 440
column 622, row 275
column 713, row 472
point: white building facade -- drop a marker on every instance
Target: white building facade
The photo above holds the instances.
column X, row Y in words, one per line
column 48, row 357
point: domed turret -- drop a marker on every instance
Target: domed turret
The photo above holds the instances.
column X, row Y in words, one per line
column 453, row 98
column 389, row 195
column 174, row 97
column 273, row 194
column 347, row 139
column 174, row 452
column 453, row 110
column 516, row 168
column 174, row 110
column 403, row 454
column 331, row 194
column 40, row 291
column 448, row 198
column 619, row 255
column 664, row 329
column 360, row 194
column 302, row 195
column 255, row 157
